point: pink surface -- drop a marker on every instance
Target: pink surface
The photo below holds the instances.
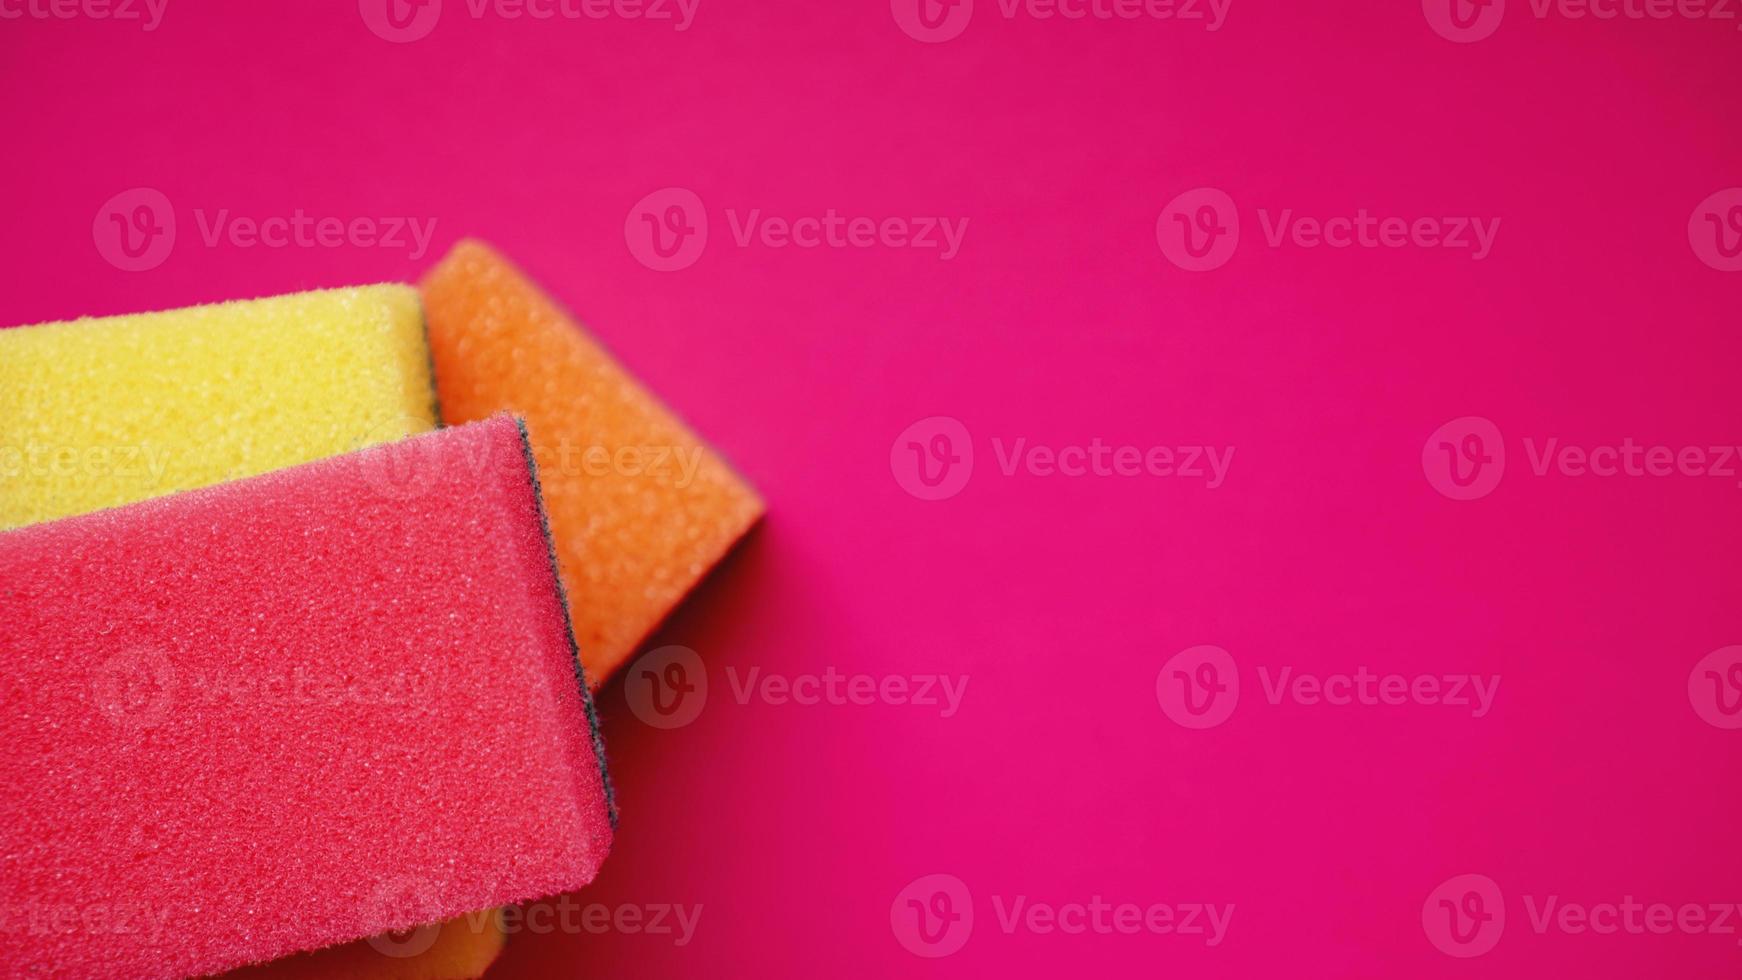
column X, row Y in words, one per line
column 1602, row 767
column 287, row 712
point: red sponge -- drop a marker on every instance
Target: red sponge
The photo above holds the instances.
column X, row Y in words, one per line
column 290, row 711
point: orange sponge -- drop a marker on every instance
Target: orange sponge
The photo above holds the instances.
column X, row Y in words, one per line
column 640, row 507
column 461, row 948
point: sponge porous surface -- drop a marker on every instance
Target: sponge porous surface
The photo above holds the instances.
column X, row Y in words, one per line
column 289, row 711
column 640, row 507
column 100, row 412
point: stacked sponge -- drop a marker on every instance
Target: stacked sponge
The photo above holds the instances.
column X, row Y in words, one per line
column 293, row 710
column 640, row 507
column 331, row 661
column 100, row 412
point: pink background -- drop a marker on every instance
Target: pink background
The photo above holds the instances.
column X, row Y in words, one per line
column 1061, row 778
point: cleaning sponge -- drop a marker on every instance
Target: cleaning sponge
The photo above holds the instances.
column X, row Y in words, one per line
column 100, row 412
column 290, row 711
column 640, row 507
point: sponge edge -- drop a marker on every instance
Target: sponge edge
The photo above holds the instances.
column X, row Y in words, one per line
column 291, row 711
column 96, row 413
column 640, row 507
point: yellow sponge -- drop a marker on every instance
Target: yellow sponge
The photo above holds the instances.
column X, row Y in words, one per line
column 96, row 413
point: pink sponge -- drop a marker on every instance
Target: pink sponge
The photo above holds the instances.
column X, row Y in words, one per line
column 290, row 711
